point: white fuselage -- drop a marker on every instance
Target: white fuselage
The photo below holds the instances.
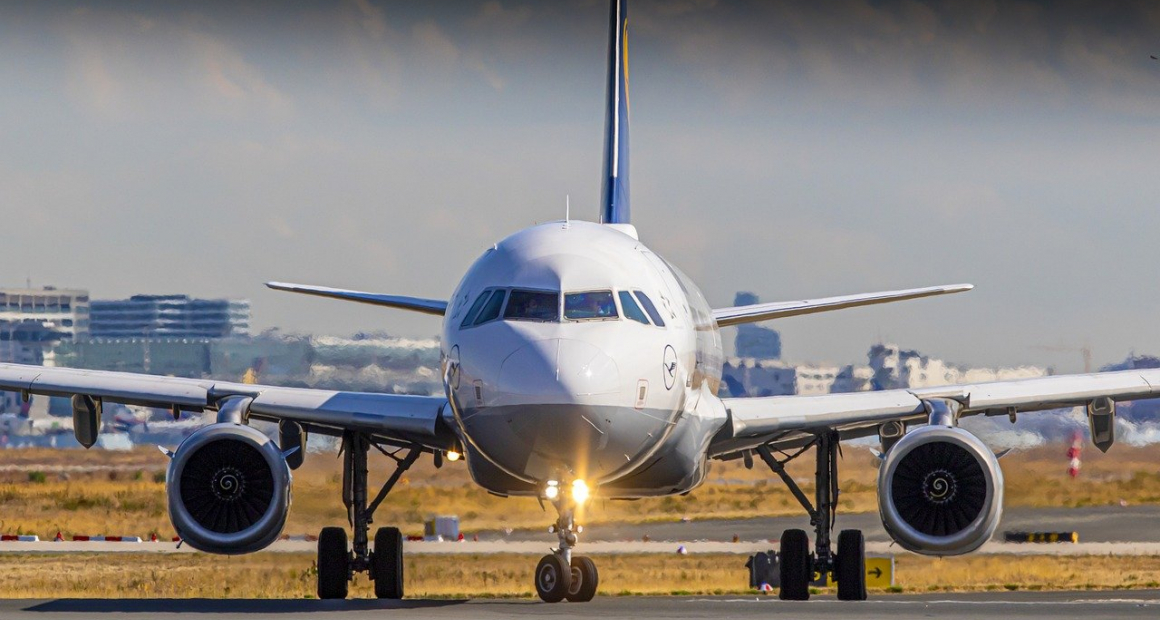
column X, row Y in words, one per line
column 570, row 375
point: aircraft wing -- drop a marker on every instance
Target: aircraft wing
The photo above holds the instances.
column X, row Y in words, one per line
column 410, row 419
column 763, row 312
column 756, row 421
column 415, row 304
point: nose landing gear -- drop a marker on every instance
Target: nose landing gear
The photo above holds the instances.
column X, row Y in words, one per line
column 561, row 575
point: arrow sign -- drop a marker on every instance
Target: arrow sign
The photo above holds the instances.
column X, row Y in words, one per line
column 877, row 572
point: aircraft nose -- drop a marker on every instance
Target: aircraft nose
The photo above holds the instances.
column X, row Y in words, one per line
column 558, row 368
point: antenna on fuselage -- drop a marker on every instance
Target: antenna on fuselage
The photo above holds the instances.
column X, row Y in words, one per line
column 567, row 210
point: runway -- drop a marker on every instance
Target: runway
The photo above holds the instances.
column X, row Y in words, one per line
column 1023, row 605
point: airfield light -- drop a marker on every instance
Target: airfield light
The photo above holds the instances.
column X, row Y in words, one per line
column 552, row 491
column 579, row 491
column 453, row 456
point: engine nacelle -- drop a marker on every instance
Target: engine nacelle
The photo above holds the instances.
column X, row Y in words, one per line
column 228, row 487
column 940, row 491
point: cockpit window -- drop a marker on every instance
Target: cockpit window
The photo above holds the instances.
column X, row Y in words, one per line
column 631, row 310
column 475, row 308
column 590, row 306
column 533, row 306
column 490, row 311
column 650, row 308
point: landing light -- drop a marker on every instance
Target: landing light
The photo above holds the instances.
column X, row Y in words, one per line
column 552, row 491
column 579, row 491
column 453, row 456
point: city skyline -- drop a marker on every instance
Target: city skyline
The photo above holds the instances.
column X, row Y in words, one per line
column 783, row 148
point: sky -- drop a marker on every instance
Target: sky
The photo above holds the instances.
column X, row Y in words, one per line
column 793, row 149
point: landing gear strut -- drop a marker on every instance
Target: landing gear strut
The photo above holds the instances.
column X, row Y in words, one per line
column 798, row 566
column 337, row 563
column 561, row 575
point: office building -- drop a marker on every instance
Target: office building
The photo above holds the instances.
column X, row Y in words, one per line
column 62, row 310
column 169, row 316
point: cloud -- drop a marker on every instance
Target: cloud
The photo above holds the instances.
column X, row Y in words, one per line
column 433, row 43
column 122, row 65
column 898, row 54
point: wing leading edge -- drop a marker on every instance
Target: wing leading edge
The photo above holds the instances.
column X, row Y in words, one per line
column 414, row 419
column 414, row 304
column 755, row 421
column 777, row 310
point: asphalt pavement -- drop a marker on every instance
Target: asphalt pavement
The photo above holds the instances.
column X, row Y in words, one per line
column 1008, row 605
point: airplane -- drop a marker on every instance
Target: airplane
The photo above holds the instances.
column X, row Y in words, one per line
column 578, row 363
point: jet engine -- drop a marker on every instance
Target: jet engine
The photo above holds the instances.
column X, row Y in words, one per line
column 228, row 487
column 940, row 491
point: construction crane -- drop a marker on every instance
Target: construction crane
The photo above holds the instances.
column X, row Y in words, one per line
column 1085, row 351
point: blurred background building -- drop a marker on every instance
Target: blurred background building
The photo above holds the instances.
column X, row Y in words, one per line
column 753, row 340
column 63, row 310
column 169, row 316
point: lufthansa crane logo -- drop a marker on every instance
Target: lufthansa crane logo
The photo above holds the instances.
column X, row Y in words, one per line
column 670, row 367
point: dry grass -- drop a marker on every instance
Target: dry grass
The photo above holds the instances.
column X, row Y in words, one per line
column 280, row 575
column 98, row 492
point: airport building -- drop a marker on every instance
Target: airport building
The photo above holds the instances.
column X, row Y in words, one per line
column 29, row 342
column 894, row 367
column 751, row 377
column 169, row 316
column 62, row 310
column 754, row 340
column 890, row 367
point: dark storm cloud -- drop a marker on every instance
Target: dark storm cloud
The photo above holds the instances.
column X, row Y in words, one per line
column 795, row 149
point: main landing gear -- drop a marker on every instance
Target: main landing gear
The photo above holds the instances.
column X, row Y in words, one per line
column 798, row 565
column 337, row 563
column 561, row 575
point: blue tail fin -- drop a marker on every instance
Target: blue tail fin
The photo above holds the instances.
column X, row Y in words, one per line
column 614, row 194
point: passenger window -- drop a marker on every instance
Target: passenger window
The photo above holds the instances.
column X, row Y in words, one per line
column 590, row 306
column 533, row 306
column 631, row 310
column 490, row 311
column 650, row 308
column 475, row 308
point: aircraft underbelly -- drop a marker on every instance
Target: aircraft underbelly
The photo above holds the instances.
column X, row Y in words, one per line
column 542, row 442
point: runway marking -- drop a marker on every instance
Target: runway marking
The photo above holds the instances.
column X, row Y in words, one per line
column 896, row 601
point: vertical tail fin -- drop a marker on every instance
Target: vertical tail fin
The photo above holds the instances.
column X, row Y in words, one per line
column 614, row 203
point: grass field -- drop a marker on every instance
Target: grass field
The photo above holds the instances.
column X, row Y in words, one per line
column 43, row 491
column 100, row 492
column 282, row 575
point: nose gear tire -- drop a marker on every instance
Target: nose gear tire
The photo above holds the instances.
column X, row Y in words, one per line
column 585, row 580
column 553, row 578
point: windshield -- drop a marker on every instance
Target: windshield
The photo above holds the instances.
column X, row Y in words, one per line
column 490, row 312
column 650, row 308
column 591, row 305
column 631, row 310
column 533, row 306
column 475, row 308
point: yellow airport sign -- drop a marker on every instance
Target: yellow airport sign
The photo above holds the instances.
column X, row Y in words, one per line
column 879, row 573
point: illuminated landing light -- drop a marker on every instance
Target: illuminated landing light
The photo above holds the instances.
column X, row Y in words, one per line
column 579, row 491
column 552, row 491
column 453, row 456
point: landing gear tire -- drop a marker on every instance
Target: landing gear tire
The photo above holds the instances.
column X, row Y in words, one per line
column 333, row 563
column 585, row 580
column 387, row 563
column 553, row 578
column 850, row 566
column 795, row 566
